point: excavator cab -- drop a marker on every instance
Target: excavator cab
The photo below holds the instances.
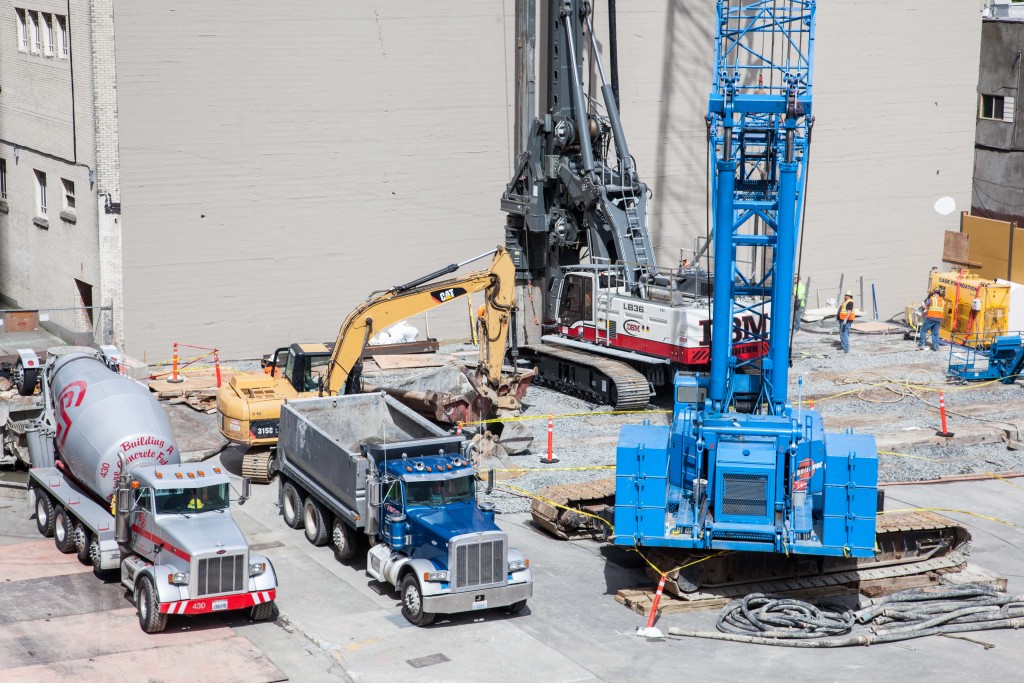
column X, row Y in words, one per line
column 304, row 366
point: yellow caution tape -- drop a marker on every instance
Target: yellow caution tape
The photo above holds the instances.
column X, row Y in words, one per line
column 553, row 469
column 908, row 455
column 526, row 418
column 553, row 503
column 962, row 512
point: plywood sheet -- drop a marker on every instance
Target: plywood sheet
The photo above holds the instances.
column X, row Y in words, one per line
column 989, row 245
column 403, row 361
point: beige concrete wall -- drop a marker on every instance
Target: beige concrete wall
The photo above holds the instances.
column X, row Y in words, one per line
column 281, row 162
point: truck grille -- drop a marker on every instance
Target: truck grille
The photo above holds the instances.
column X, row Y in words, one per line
column 221, row 575
column 480, row 564
column 745, row 495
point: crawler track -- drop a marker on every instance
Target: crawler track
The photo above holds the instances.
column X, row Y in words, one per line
column 588, row 376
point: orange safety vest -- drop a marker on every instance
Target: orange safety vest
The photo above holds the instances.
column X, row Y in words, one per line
column 846, row 314
column 936, row 305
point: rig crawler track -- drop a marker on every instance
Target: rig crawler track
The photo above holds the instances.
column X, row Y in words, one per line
column 907, row 543
column 588, row 376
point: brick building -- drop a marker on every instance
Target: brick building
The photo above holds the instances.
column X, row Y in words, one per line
column 60, row 240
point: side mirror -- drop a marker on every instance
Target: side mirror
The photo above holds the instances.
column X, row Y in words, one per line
column 246, row 490
column 123, row 504
column 490, row 482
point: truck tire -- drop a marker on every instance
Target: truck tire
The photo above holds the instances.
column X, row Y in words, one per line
column 83, row 539
column 412, row 602
column 150, row 618
column 44, row 513
column 291, row 505
column 64, row 531
column 516, row 607
column 265, row 611
column 25, row 380
column 344, row 539
column 95, row 558
column 315, row 522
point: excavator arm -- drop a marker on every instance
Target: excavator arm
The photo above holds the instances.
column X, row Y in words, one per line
column 423, row 294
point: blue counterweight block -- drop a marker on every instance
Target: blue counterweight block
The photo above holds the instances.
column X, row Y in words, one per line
column 641, row 483
column 851, row 494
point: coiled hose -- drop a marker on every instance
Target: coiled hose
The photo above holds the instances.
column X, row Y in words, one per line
column 787, row 622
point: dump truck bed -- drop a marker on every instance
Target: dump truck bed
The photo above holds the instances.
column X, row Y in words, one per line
column 321, row 439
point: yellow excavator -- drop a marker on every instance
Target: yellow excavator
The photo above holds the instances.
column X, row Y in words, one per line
column 250, row 405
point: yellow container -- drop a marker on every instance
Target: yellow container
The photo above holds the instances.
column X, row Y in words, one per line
column 976, row 309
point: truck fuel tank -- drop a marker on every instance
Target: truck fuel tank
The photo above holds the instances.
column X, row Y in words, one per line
column 101, row 415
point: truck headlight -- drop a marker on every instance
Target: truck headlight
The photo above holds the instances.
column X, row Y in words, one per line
column 435, row 576
column 518, row 565
column 257, row 568
column 178, row 579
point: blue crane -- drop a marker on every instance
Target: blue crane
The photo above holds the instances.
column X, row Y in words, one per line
column 741, row 468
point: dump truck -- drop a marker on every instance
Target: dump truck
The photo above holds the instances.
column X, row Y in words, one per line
column 366, row 466
column 107, row 483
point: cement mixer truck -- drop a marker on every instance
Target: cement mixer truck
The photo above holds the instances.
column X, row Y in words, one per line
column 108, row 484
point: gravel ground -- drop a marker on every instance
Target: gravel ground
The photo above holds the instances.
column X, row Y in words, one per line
column 589, row 440
column 587, row 435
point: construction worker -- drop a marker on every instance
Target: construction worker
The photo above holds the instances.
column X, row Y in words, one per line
column 799, row 301
column 196, row 503
column 932, row 308
column 845, row 316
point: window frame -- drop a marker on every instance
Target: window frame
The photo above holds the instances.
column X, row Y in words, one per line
column 22, row 21
column 68, row 190
column 992, row 100
column 47, row 24
column 40, row 194
column 35, row 37
column 63, row 46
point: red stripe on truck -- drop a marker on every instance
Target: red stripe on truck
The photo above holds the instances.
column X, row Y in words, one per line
column 159, row 541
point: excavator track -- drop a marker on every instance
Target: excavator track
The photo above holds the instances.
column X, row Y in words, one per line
column 589, row 376
column 258, row 464
column 907, row 543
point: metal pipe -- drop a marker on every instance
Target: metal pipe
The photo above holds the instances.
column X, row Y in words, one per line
column 610, row 104
column 782, row 284
column 721, row 322
column 582, row 118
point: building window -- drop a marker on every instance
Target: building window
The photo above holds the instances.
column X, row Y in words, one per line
column 46, row 27
column 22, row 30
column 40, row 194
column 33, row 25
column 3, row 178
column 62, row 35
column 69, row 195
column 992, row 107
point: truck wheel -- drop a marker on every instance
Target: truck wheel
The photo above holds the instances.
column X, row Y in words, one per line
column 291, row 505
column 412, row 602
column 83, row 540
column 44, row 513
column 263, row 612
column 64, row 531
column 25, row 380
column 150, row 618
column 95, row 558
column 316, row 526
column 343, row 539
column 516, row 607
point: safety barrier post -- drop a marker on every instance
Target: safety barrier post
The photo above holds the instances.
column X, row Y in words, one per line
column 654, row 603
column 174, row 373
column 942, row 414
column 216, row 365
column 551, row 459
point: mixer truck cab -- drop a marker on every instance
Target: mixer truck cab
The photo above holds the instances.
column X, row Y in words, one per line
column 108, row 484
column 441, row 547
column 188, row 554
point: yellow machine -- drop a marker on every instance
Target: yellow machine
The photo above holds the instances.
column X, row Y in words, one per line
column 250, row 405
column 977, row 309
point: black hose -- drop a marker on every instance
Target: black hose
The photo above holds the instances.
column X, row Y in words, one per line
column 787, row 622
